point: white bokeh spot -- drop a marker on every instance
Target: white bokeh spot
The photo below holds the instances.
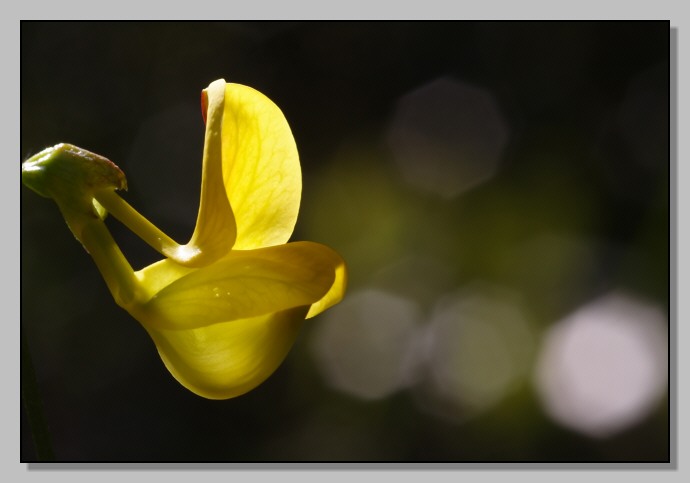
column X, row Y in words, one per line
column 604, row 367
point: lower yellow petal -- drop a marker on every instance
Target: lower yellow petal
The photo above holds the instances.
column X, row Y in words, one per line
column 243, row 284
column 226, row 360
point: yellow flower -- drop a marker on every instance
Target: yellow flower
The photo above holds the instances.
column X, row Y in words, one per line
column 224, row 309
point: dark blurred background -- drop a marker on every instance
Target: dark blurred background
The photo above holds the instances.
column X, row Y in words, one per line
column 500, row 191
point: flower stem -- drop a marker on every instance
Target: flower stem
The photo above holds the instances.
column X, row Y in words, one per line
column 190, row 254
column 114, row 267
column 136, row 222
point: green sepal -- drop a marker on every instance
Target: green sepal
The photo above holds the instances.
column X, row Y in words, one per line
column 72, row 176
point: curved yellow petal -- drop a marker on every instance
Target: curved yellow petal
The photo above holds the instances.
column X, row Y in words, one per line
column 242, row 284
column 261, row 168
column 335, row 294
column 215, row 232
column 229, row 359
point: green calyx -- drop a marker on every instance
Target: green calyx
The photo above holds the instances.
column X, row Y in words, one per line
column 73, row 177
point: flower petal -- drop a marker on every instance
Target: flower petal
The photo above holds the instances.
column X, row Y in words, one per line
column 242, row 284
column 334, row 295
column 215, row 232
column 229, row 359
column 261, row 168
column 158, row 275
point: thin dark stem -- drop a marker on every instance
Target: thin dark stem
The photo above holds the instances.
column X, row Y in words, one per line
column 33, row 405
